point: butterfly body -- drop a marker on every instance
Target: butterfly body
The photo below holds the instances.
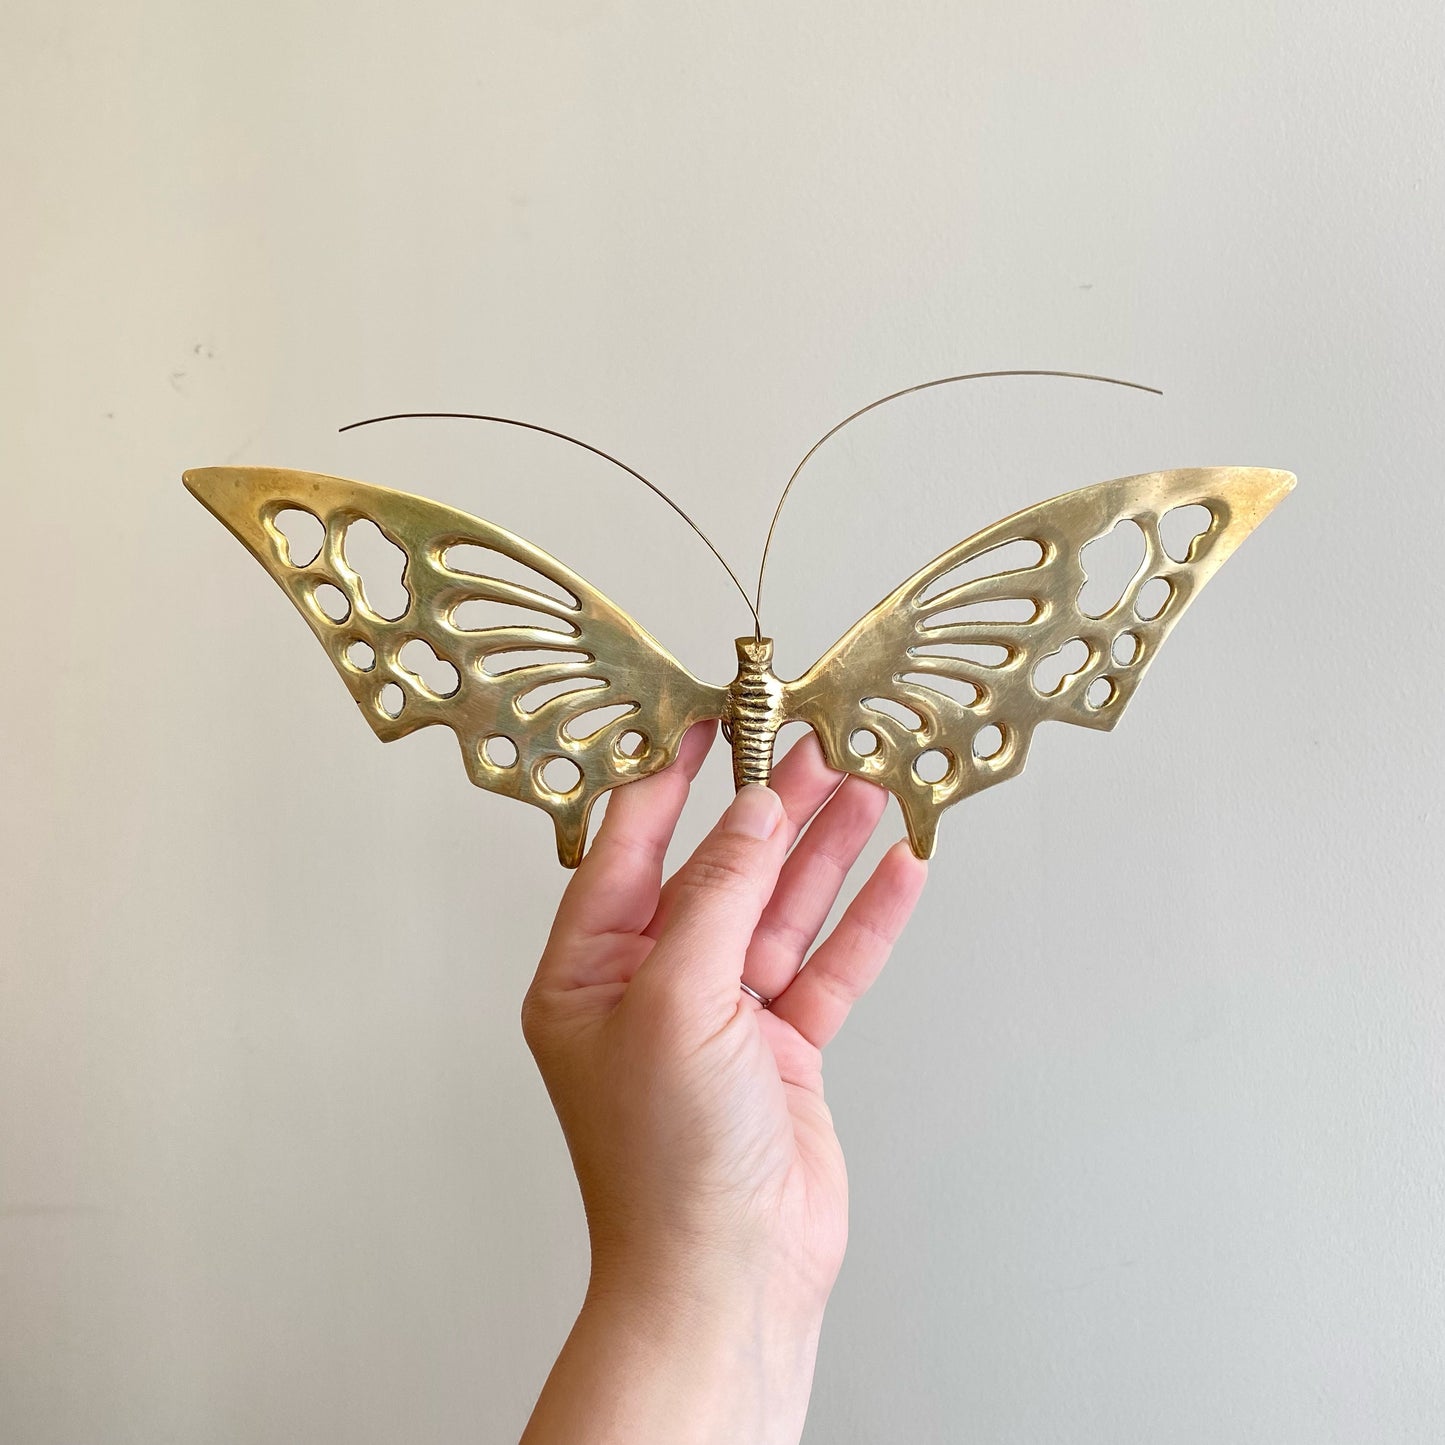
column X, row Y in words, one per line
column 557, row 695
column 756, row 709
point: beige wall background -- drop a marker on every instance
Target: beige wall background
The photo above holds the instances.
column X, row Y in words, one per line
column 1144, row 1121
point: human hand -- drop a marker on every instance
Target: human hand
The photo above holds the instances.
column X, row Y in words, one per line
column 713, row 1181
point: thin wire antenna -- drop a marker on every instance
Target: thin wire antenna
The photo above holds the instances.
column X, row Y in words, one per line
column 586, row 447
column 757, row 604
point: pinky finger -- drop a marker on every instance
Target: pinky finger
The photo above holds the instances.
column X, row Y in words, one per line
column 846, row 963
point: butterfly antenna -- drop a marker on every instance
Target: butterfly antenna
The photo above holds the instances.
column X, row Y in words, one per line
column 586, row 447
column 757, row 604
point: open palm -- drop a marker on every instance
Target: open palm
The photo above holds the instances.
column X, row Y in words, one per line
column 696, row 1117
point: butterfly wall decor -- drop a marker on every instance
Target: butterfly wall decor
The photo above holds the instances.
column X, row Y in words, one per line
column 557, row 695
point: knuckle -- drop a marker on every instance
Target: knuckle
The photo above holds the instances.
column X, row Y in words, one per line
column 836, row 988
column 723, row 868
column 785, row 935
column 874, row 934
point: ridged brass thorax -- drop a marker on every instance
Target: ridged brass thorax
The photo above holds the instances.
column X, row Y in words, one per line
column 755, row 711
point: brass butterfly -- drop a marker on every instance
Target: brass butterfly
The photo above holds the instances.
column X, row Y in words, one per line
column 935, row 693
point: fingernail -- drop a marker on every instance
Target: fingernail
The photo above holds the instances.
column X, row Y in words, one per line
column 756, row 812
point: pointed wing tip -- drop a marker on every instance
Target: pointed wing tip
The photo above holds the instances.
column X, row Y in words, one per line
column 1281, row 484
column 1267, row 487
column 1251, row 493
column 204, row 483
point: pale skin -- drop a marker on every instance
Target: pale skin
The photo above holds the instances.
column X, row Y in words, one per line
column 712, row 1179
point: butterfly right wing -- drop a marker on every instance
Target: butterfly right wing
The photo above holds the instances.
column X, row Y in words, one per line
column 532, row 674
column 940, row 667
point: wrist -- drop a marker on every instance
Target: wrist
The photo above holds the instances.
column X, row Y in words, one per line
column 706, row 1359
column 687, row 1282
column 700, row 1355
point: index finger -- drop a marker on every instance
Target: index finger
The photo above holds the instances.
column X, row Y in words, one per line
column 803, row 780
column 616, row 886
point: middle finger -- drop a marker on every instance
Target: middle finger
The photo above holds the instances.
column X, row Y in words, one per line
column 809, row 885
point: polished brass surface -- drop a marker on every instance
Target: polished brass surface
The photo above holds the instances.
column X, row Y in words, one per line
column 929, row 644
column 587, row 643
column 756, row 709
column 934, row 694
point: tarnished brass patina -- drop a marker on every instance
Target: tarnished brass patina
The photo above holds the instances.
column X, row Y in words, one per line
column 934, row 694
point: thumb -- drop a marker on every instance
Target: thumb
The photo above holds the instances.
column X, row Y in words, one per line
column 720, row 893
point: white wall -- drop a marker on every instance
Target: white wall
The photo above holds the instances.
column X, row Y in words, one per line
column 1144, row 1122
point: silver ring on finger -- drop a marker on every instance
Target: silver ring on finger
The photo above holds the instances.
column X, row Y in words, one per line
column 753, row 994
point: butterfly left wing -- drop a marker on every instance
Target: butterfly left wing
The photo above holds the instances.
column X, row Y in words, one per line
column 950, row 663
column 535, row 673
